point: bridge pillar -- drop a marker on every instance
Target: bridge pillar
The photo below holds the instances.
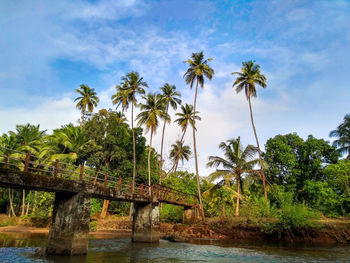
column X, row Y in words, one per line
column 191, row 215
column 69, row 231
column 145, row 225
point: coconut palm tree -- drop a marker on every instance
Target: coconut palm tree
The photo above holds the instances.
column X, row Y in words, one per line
column 171, row 98
column 178, row 152
column 250, row 76
column 87, row 99
column 196, row 73
column 134, row 85
column 151, row 113
column 237, row 161
column 343, row 134
column 186, row 116
column 122, row 97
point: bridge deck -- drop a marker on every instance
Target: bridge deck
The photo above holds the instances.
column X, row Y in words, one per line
column 23, row 171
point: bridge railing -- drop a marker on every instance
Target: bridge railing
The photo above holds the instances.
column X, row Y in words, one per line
column 27, row 162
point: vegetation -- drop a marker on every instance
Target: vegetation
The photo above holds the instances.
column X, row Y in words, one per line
column 301, row 179
column 247, row 79
column 196, row 73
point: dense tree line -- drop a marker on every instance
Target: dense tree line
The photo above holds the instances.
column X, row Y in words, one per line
column 291, row 174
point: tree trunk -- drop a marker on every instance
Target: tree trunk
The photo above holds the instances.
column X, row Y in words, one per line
column 149, row 163
column 104, row 208
column 11, row 202
column 238, row 192
column 259, row 151
column 134, row 149
column 161, row 149
column 23, row 202
column 195, row 151
column 223, row 208
column 183, row 135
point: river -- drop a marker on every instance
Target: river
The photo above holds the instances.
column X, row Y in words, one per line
column 19, row 247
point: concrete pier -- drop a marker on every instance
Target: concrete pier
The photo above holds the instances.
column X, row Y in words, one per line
column 145, row 226
column 69, row 231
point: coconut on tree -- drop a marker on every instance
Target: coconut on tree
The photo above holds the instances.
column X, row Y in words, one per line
column 237, row 162
column 87, row 100
column 134, row 85
column 170, row 97
column 250, row 76
column 152, row 111
column 196, row 73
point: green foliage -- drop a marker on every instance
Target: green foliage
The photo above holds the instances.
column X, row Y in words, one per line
column 171, row 213
column 95, row 206
column 292, row 161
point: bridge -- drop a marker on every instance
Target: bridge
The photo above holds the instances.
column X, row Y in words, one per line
column 74, row 186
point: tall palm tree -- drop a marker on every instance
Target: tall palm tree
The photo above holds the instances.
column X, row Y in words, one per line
column 151, row 113
column 343, row 134
column 135, row 85
column 87, row 99
column 122, row 97
column 186, row 116
column 178, row 152
column 198, row 70
column 250, row 76
column 237, row 161
column 170, row 97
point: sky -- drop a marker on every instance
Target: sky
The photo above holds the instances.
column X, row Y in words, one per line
column 48, row 48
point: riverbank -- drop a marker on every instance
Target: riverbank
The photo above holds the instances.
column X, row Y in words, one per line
column 330, row 231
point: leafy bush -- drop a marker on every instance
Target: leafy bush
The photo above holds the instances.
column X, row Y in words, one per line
column 95, row 206
column 171, row 213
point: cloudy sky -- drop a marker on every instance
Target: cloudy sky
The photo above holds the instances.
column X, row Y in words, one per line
column 48, row 48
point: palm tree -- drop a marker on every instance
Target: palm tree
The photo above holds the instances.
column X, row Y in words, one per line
column 197, row 71
column 87, row 99
column 343, row 134
column 237, row 161
column 179, row 152
column 122, row 97
column 151, row 111
column 170, row 97
column 249, row 76
column 186, row 116
column 135, row 85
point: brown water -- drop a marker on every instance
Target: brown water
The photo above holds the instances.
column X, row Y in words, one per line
column 21, row 248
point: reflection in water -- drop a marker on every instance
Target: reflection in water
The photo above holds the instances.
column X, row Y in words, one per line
column 21, row 248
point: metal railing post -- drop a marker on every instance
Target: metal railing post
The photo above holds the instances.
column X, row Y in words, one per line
column 26, row 164
column 81, row 172
column 56, row 169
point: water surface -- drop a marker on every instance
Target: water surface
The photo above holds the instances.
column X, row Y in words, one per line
column 21, row 248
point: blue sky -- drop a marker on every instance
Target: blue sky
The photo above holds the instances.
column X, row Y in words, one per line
column 49, row 48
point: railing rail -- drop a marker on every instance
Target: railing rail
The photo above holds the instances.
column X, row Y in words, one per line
column 29, row 163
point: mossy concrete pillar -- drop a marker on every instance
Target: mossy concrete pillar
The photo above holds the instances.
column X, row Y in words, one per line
column 145, row 226
column 191, row 215
column 69, row 231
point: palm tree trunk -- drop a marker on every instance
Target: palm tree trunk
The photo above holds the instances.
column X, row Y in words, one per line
column 11, row 202
column 134, row 148
column 104, row 208
column 83, row 116
column 149, row 162
column 238, row 192
column 195, row 151
column 23, row 202
column 161, row 148
column 259, row 151
column 183, row 135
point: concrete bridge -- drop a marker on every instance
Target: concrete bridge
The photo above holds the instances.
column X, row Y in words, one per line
column 75, row 186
